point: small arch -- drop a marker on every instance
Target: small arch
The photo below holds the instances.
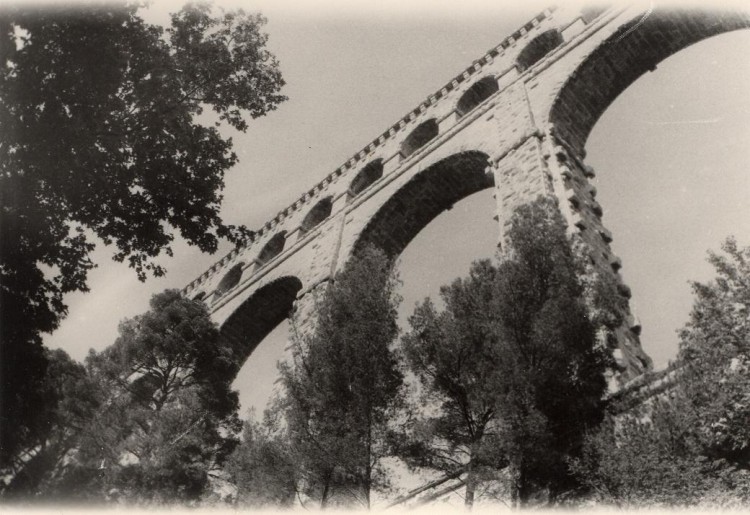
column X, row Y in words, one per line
column 200, row 296
column 273, row 248
column 419, row 137
column 230, row 279
column 366, row 176
column 537, row 48
column 592, row 12
column 476, row 94
column 317, row 214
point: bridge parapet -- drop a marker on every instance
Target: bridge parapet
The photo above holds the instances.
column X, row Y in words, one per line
column 515, row 120
column 498, row 62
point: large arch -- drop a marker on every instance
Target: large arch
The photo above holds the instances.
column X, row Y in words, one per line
column 424, row 197
column 249, row 324
column 631, row 51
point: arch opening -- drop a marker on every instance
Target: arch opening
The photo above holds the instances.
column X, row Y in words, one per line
column 424, row 197
column 445, row 249
column 317, row 214
column 419, row 137
column 249, row 324
column 366, row 176
column 273, row 248
column 646, row 136
column 537, row 48
column 476, row 94
column 230, row 279
column 201, row 295
column 625, row 56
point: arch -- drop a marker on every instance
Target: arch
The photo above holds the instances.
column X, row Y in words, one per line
column 366, row 176
column 317, row 214
column 480, row 91
column 272, row 249
column 417, row 138
column 250, row 323
column 634, row 49
column 230, row 279
column 199, row 296
column 424, row 197
column 537, row 48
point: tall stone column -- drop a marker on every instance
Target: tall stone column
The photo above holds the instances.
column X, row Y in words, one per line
column 576, row 196
column 542, row 165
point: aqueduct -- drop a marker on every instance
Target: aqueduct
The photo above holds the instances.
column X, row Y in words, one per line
column 516, row 120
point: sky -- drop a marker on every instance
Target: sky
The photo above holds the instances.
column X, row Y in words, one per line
column 671, row 154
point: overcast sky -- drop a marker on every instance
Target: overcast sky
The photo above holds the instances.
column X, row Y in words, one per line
column 672, row 156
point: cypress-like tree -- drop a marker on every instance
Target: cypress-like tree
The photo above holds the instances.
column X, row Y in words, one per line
column 516, row 361
column 345, row 383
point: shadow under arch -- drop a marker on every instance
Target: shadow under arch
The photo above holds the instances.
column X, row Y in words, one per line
column 259, row 315
column 537, row 48
column 480, row 91
column 619, row 61
column 413, row 206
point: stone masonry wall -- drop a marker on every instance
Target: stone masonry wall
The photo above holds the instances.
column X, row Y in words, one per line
column 524, row 140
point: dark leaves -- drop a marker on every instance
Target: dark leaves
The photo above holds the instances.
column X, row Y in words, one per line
column 99, row 140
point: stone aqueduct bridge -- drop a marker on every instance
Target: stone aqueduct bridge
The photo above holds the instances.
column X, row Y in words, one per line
column 516, row 120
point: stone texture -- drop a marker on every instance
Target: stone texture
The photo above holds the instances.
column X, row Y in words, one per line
column 526, row 139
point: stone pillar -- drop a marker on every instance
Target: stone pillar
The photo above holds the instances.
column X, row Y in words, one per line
column 542, row 165
column 305, row 308
column 569, row 177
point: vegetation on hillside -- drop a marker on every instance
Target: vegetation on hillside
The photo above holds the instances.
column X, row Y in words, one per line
column 512, row 394
column 689, row 444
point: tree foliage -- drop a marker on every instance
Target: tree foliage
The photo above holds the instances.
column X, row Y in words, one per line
column 690, row 444
column 263, row 468
column 163, row 417
column 173, row 416
column 100, row 139
column 454, row 353
column 73, row 398
column 344, row 383
column 715, row 349
column 515, row 359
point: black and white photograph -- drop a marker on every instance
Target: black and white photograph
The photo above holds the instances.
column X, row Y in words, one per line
column 390, row 256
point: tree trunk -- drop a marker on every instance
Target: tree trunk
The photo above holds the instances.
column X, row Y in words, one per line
column 471, row 486
column 368, row 469
column 326, row 492
column 515, row 486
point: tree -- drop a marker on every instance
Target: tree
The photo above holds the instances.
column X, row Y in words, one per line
column 515, row 359
column 262, row 467
column 170, row 417
column 553, row 367
column 689, row 444
column 344, row 383
column 72, row 399
column 101, row 139
column 715, row 351
column 454, row 354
